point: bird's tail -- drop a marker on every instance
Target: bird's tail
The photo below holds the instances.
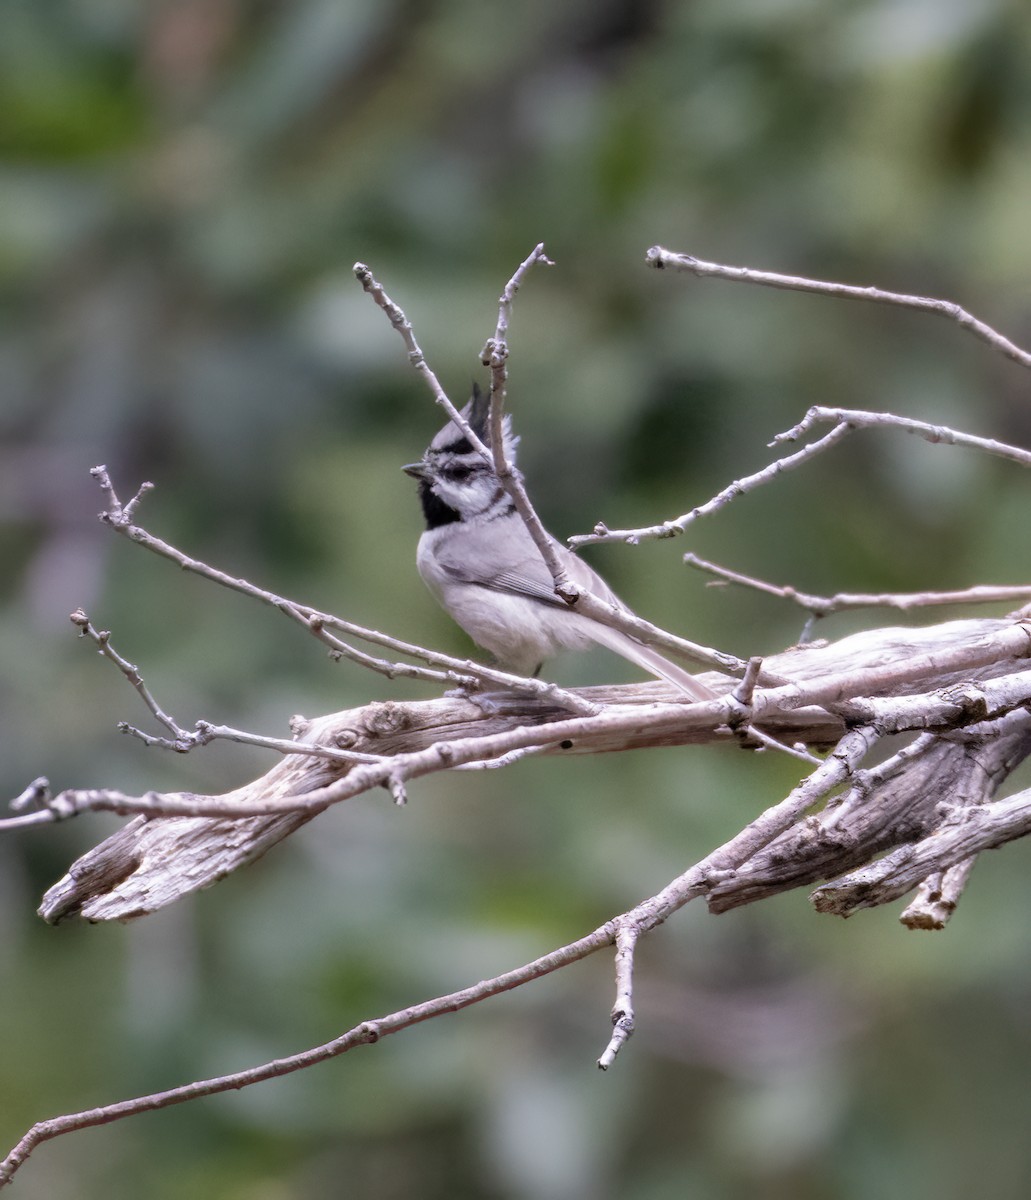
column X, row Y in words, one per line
column 652, row 661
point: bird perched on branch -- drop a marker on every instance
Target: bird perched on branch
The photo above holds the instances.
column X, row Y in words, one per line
column 478, row 558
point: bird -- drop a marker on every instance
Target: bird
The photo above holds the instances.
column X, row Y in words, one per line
column 479, row 561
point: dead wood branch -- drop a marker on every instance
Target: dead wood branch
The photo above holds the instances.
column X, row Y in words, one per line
column 157, row 858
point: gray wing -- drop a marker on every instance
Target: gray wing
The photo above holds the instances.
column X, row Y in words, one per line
column 517, row 567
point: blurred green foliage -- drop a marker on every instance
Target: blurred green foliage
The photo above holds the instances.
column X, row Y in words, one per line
column 185, row 185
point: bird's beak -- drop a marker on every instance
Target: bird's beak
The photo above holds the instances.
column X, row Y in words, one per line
column 417, row 470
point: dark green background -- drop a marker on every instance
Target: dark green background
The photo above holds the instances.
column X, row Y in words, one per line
column 183, row 189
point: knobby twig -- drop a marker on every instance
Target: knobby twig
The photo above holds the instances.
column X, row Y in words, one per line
column 204, row 732
column 740, row 487
column 102, row 640
column 623, row 1009
column 661, row 258
column 845, row 421
column 824, row 606
column 855, row 418
column 495, row 356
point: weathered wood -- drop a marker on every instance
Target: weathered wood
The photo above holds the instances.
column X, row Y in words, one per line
column 153, row 861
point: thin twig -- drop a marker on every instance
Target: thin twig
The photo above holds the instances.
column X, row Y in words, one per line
column 857, row 418
column 206, row 732
column 184, row 740
column 400, row 322
column 623, row 1009
column 845, row 421
column 740, row 487
column 661, row 258
column 364, row 1034
column 823, row 606
column 37, row 793
column 495, row 355
column 102, row 640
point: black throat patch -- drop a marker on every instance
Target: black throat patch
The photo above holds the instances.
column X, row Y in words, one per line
column 434, row 509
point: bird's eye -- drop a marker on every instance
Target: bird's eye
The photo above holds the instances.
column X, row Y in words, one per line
column 458, row 474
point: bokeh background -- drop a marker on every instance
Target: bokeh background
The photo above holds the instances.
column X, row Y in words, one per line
column 184, row 186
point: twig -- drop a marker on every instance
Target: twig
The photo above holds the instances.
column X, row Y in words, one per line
column 845, row 419
column 184, row 740
column 400, row 322
column 740, row 717
column 42, row 816
column 661, row 258
column 823, row 606
column 37, row 792
column 855, row 418
column 495, row 355
column 364, row 1034
column 739, row 487
column 102, row 640
column 845, row 422
column 623, row 1008
column 206, row 732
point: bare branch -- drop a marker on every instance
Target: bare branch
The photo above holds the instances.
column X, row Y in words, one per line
column 151, row 863
column 661, row 258
column 824, row 606
column 415, row 355
column 102, row 640
column 364, row 1034
column 668, row 723
column 855, row 418
column 623, row 1008
column 845, row 421
column 495, row 354
column 740, row 487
